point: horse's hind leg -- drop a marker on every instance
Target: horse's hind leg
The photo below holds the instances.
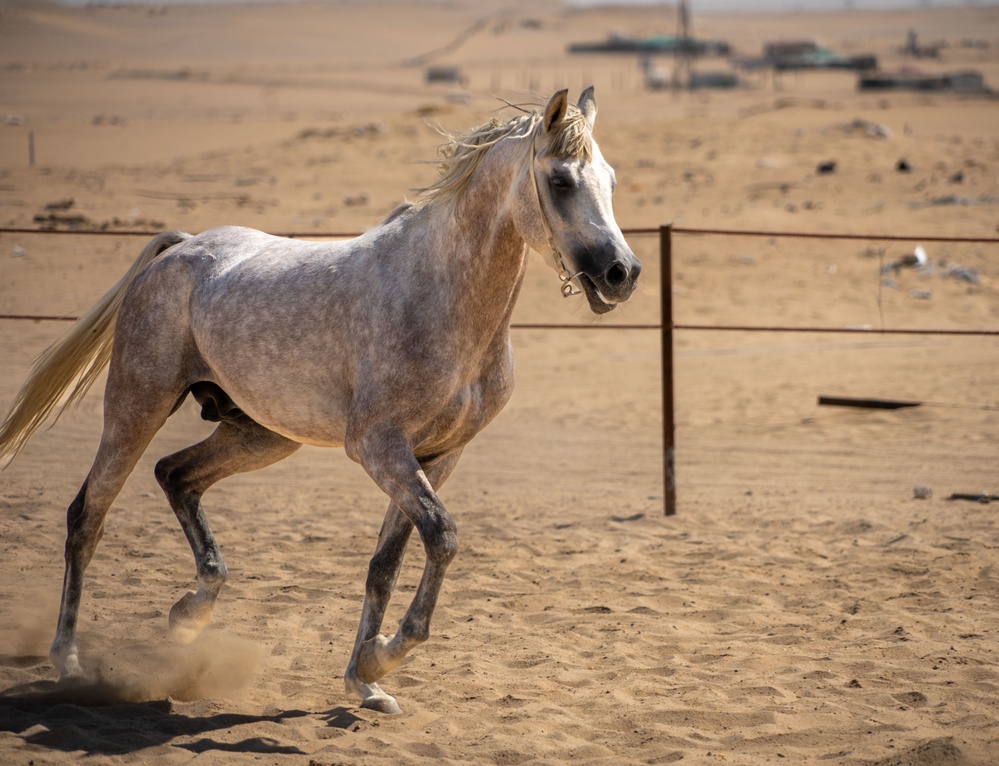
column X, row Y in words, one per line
column 127, row 432
column 238, row 445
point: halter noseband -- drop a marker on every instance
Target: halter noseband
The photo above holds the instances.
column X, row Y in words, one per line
column 555, row 259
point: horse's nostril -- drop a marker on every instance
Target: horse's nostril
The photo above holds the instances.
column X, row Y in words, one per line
column 616, row 275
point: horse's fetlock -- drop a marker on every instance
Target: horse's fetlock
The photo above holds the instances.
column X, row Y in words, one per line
column 415, row 631
column 214, row 573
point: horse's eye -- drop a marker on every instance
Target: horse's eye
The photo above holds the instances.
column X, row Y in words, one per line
column 561, row 182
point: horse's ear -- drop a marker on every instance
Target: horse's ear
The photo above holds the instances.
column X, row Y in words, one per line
column 588, row 106
column 556, row 109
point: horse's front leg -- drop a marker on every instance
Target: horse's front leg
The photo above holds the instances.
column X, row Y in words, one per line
column 383, row 571
column 415, row 503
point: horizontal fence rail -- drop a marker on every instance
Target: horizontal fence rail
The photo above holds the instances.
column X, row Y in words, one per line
column 854, row 330
column 666, row 326
column 639, row 230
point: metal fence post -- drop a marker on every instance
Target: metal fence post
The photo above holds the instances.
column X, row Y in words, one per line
column 666, row 333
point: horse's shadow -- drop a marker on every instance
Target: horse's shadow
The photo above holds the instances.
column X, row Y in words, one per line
column 90, row 717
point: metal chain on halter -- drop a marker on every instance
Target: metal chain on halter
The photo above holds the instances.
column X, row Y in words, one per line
column 555, row 260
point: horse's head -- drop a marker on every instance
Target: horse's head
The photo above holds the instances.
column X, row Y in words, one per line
column 573, row 221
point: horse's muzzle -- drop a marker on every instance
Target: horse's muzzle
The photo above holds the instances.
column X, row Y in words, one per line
column 607, row 284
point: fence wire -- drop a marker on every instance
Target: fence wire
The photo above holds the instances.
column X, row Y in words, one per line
column 637, row 231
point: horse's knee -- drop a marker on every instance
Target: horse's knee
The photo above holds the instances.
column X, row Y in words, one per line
column 448, row 548
column 440, row 538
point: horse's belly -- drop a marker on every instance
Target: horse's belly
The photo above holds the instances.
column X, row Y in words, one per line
column 319, row 428
column 293, row 414
column 279, row 395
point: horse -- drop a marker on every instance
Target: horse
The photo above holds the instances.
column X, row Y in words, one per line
column 394, row 345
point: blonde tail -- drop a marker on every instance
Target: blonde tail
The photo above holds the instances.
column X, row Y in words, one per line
column 75, row 360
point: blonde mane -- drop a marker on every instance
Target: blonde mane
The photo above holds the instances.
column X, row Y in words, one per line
column 461, row 154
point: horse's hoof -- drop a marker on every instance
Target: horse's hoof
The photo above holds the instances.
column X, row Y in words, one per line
column 382, row 703
column 69, row 669
column 188, row 617
column 372, row 696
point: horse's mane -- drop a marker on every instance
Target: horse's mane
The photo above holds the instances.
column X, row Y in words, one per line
column 461, row 154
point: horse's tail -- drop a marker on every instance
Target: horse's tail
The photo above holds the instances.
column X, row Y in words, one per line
column 74, row 361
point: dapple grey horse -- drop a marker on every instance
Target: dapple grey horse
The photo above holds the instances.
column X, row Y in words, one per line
column 394, row 345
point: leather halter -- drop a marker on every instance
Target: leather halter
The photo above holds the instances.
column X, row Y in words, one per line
column 555, row 259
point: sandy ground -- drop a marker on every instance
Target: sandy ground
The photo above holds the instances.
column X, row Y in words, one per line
column 802, row 607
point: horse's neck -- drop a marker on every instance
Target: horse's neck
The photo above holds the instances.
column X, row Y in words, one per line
column 482, row 247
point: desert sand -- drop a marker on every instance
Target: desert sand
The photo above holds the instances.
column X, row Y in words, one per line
column 802, row 607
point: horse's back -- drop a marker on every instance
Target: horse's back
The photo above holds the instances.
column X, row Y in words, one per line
column 168, row 292
column 260, row 318
column 237, row 247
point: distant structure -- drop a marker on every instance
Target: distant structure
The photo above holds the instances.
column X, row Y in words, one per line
column 806, row 54
column 660, row 44
column 914, row 49
column 450, row 75
column 969, row 81
column 683, row 47
column 684, row 75
column 653, row 77
column 791, row 55
column 683, row 60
